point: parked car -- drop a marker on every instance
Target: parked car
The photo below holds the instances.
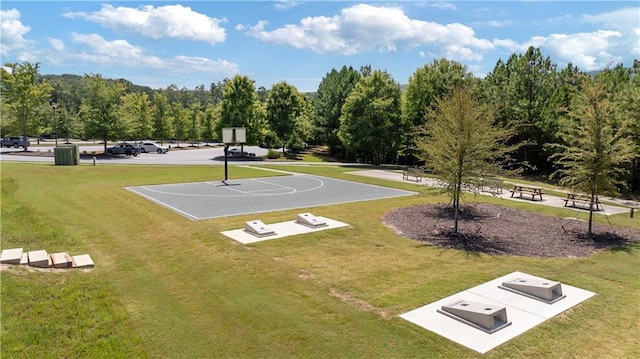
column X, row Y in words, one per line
column 124, row 149
column 235, row 152
column 17, row 141
column 152, row 147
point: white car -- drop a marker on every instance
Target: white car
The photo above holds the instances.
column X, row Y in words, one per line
column 152, row 147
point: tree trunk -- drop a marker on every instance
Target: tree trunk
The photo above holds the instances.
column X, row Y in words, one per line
column 593, row 199
column 456, row 204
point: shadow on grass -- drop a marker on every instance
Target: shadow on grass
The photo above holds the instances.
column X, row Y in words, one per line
column 607, row 240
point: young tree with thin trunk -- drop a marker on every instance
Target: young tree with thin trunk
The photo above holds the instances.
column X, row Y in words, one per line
column 99, row 109
column 461, row 143
column 593, row 158
column 22, row 96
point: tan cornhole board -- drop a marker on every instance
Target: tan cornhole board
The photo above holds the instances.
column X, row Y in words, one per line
column 82, row 260
column 39, row 259
column 11, row 256
column 61, row 260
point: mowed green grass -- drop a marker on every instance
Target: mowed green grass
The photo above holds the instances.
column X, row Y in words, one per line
column 168, row 287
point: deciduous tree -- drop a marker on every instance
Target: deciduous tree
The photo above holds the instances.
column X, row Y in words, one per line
column 461, row 143
column 135, row 109
column 162, row 127
column 283, row 108
column 332, row 92
column 426, row 85
column 592, row 160
column 22, row 97
column 240, row 108
column 99, row 109
column 371, row 124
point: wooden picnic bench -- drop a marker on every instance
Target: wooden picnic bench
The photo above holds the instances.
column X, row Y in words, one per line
column 522, row 189
column 581, row 201
column 414, row 172
column 491, row 185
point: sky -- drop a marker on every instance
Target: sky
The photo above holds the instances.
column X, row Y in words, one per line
column 192, row 43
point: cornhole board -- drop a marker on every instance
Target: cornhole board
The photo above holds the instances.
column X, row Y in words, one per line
column 82, row 261
column 258, row 228
column 11, row 256
column 486, row 317
column 39, row 259
column 61, row 260
column 541, row 289
column 309, row 220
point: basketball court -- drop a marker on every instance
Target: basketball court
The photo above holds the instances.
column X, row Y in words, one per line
column 214, row 199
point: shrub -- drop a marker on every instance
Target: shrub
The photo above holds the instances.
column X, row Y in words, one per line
column 273, row 154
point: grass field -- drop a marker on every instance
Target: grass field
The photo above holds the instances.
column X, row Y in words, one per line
column 168, row 287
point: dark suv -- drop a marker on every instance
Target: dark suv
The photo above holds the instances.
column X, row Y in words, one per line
column 17, row 141
column 124, row 149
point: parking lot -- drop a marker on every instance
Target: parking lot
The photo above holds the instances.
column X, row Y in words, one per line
column 185, row 155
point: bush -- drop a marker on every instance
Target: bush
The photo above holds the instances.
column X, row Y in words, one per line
column 273, row 154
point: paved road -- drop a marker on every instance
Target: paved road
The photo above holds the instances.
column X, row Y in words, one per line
column 200, row 156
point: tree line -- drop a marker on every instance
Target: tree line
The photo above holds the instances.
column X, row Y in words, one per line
column 361, row 115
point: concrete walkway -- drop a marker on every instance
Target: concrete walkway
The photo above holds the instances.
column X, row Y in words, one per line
column 547, row 200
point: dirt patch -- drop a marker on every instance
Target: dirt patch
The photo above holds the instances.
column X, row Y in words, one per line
column 491, row 229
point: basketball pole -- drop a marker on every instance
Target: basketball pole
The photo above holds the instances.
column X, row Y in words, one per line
column 226, row 168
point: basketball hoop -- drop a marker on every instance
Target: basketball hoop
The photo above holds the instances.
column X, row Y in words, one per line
column 232, row 136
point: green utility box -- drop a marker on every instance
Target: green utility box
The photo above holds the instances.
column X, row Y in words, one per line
column 66, row 155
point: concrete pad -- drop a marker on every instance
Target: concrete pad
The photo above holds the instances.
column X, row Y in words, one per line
column 25, row 259
column 61, row 260
column 523, row 312
column 82, row 260
column 282, row 229
column 11, row 256
column 39, row 259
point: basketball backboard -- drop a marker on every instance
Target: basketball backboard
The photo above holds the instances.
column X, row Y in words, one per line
column 234, row 135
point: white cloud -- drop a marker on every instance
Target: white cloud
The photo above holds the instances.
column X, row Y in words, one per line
column 366, row 28
column 625, row 18
column 588, row 50
column 443, row 5
column 286, row 4
column 122, row 53
column 173, row 21
column 495, row 23
column 13, row 31
column 56, row 44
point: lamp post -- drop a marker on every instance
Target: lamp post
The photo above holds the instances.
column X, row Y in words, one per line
column 55, row 125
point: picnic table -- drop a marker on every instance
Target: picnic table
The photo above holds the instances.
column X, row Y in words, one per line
column 581, row 201
column 528, row 190
column 414, row 172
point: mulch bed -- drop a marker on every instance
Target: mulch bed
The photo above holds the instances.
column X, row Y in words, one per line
column 499, row 230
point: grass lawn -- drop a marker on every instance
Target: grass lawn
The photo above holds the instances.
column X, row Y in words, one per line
column 168, row 287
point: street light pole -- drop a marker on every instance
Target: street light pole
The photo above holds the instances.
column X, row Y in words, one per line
column 55, row 125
